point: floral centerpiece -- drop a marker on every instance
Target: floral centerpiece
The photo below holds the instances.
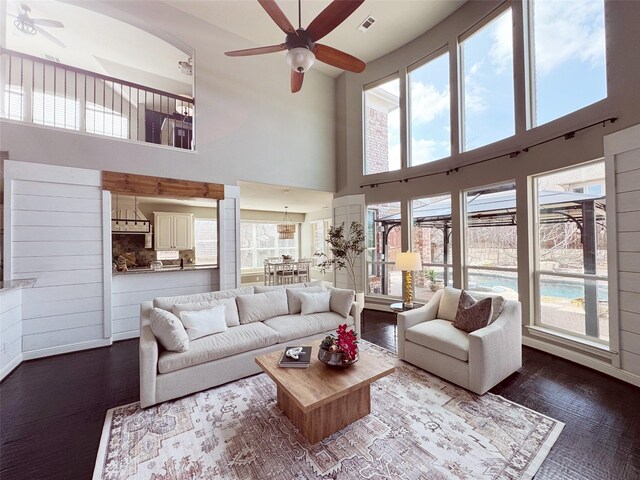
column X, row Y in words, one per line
column 339, row 349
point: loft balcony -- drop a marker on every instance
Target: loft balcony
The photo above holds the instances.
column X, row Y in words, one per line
column 53, row 94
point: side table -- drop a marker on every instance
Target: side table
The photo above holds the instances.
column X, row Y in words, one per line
column 397, row 308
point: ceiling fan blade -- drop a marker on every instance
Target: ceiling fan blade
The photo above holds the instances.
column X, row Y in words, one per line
column 48, row 36
column 45, row 22
column 296, row 81
column 337, row 58
column 332, row 16
column 272, row 8
column 256, row 51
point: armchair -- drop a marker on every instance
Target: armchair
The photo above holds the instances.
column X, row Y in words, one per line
column 476, row 361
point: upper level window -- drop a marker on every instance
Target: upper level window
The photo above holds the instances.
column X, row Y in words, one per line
column 13, row 102
column 568, row 57
column 56, row 110
column 104, row 121
column 382, row 127
column 429, row 104
column 487, row 83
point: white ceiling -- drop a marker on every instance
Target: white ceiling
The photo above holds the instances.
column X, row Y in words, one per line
column 101, row 44
column 397, row 23
column 273, row 198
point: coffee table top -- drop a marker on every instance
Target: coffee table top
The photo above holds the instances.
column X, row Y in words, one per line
column 320, row 384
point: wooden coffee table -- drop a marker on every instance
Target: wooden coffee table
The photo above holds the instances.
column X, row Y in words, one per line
column 320, row 400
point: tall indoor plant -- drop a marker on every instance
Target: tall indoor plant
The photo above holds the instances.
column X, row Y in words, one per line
column 345, row 249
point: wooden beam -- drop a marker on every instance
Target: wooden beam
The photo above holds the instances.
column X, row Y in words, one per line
column 146, row 186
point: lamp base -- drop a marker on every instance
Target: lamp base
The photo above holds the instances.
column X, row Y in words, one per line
column 408, row 290
column 407, row 306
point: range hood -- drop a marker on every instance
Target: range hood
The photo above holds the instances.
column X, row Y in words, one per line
column 125, row 220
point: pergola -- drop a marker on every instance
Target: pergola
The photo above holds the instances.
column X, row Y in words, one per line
column 497, row 207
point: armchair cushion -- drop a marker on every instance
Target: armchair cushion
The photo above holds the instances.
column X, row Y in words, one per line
column 441, row 336
column 472, row 315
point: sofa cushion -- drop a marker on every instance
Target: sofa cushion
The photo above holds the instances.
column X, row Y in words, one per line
column 261, row 306
column 314, row 302
column 291, row 327
column 242, row 338
column 200, row 323
column 342, row 300
column 271, row 288
column 449, row 304
column 471, row 315
column 441, row 336
column 169, row 331
column 230, row 312
column 293, row 297
column 166, row 303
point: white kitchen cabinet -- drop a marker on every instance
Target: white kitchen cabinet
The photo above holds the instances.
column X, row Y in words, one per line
column 173, row 231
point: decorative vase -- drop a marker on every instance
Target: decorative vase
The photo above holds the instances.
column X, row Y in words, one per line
column 335, row 359
column 360, row 300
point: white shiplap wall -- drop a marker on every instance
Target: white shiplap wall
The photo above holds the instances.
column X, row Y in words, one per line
column 129, row 291
column 229, row 238
column 55, row 225
column 10, row 330
column 349, row 209
column 627, row 167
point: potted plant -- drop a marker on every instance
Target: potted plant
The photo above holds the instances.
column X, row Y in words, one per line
column 345, row 249
column 339, row 349
column 430, row 275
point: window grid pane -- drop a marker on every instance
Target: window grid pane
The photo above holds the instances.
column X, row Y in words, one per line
column 206, row 241
column 382, row 127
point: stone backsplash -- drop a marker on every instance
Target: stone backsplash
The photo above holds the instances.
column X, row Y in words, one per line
column 127, row 243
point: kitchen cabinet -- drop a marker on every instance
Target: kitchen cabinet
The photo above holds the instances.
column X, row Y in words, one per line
column 173, row 231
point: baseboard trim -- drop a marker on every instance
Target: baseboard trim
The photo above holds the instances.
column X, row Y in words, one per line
column 582, row 359
column 11, row 366
column 74, row 347
column 126, row 335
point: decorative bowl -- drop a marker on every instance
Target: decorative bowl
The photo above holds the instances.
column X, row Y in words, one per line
column 335, row 359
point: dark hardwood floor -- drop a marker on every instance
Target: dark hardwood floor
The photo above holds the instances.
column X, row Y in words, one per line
column 52, row 410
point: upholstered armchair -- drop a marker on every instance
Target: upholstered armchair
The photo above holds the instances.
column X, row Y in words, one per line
column 476, row 361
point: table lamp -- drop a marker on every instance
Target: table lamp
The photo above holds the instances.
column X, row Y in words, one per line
column 408, row 262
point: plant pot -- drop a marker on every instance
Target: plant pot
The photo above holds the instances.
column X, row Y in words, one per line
column 335, row 359
column 360, row 300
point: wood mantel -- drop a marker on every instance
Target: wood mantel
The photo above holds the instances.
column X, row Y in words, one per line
column 143, row 185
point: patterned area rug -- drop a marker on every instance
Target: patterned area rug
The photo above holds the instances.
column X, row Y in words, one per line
column 421, row 427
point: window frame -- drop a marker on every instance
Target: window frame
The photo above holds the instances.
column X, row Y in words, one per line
column 254, row 249
column 216, row 242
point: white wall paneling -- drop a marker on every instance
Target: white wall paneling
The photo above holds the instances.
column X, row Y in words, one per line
column 349, row 209
column 129, row 291
column 10, row 330
column 229, row 238
column 55, row 234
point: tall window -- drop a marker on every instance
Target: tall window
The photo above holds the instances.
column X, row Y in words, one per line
column 431, row 237
column 259, row 241
column 487, row 83
column 56, row 111
column 491, row 240
column 319, row 234
column 382, row 127
column 568, row 56
column 429, row 104
column 206, row 240
column 571, row 252
column 104, row 121
column 13, row 102
column 384, row 241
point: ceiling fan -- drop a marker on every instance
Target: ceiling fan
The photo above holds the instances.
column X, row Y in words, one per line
column 301, row 42
column 31, row 26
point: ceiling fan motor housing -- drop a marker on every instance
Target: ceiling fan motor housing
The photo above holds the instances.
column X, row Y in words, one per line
column 300, row 56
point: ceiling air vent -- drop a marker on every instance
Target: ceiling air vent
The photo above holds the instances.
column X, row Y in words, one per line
column 364, row 26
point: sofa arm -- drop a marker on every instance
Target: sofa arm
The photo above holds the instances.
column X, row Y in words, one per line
column 495, row 352
column 148, row 351
column 355, row 312
column 410, row 318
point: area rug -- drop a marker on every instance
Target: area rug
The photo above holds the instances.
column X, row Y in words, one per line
column 421, row 427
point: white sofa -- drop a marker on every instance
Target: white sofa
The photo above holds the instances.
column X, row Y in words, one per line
column 476, row 361
column 230, row 355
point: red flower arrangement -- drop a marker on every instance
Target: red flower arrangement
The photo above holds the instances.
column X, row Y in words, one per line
column 345, row 342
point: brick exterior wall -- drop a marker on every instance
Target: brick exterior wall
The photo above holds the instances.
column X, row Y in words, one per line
column 377, row 141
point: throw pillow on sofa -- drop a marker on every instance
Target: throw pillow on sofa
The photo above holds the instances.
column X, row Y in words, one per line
column 200, row 323
column 230, row 312
column 293, row 297
column 341, row 301
column 315, row 302
column 262, row 306
column 472, row 315
column 169, row 331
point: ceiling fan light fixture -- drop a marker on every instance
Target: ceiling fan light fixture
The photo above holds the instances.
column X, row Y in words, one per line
column 300, row 59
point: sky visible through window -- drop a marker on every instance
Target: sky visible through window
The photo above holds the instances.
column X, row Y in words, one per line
column 430, row 111
column 569, row 56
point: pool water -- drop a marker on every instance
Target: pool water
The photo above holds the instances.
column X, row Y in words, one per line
column 569, row 289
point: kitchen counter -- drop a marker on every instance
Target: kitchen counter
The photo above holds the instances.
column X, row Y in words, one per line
column 191, row 268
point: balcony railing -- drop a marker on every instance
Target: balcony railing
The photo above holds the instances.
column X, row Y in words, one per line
column 48, row 93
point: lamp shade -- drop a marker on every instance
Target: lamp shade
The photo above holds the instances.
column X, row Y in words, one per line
column 300, row 59
column 408, row 261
